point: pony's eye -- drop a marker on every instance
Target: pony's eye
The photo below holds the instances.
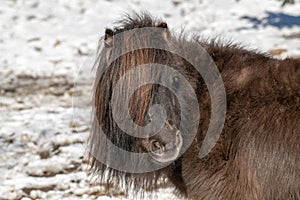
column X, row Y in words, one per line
column 175, row 82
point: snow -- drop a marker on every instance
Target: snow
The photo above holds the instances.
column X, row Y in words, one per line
column 47, row 46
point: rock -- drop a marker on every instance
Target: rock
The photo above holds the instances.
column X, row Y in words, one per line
column 48, row 149
column 63, row 186
column 42, row 188
column 15, row 195
column 37, row 194
column 45, row 168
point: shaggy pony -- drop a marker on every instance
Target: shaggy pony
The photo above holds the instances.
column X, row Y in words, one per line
column 257, row 156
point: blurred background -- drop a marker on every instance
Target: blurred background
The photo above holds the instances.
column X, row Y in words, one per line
column 47, row 49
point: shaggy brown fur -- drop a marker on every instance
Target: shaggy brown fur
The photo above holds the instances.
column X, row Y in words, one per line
column 258, row 153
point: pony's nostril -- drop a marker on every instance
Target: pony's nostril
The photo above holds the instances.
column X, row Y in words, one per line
column 155, row 146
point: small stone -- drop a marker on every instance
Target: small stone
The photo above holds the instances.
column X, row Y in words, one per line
column 14, row 195
column 25, row 198
column 62, row 186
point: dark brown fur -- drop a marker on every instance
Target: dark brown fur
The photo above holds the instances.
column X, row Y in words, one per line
column 258, row 153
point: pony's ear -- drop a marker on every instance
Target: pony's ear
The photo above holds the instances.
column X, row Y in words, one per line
column 163, row 25
column 165, row 31
column 108, row 37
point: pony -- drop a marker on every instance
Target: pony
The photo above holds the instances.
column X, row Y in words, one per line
column 255, row 157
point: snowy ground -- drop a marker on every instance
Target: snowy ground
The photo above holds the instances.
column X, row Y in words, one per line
column 46, row 46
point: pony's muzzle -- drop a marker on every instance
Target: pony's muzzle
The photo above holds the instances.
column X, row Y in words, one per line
column 165, row 146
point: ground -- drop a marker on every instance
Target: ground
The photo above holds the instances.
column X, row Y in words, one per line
column 47, row 49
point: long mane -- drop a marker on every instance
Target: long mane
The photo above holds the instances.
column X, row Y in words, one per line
column 107, row 76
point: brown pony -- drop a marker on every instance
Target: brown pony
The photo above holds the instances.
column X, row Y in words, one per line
column 257, row 155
